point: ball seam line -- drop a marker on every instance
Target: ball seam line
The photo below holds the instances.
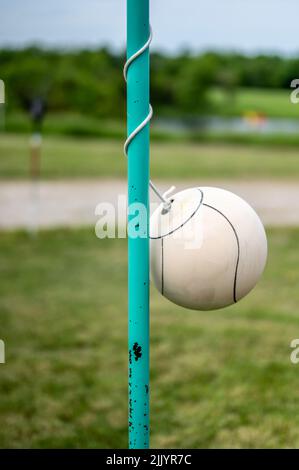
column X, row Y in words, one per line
column 238, row 245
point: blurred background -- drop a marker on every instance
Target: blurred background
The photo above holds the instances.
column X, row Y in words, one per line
column 221, row 75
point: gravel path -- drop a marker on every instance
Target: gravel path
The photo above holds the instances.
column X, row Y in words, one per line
column 73, row 203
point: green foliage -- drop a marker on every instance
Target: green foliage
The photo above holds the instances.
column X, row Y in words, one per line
column 90, row 82
column 86, row 81
column 194, row 79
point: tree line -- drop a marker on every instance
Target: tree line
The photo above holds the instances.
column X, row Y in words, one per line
column 91, row 81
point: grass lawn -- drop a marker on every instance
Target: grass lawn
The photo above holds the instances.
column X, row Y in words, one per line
column 272, row 103
column 66, row 157
column 218, row 379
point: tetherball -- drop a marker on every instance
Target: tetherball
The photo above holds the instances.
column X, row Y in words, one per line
column 208, row 251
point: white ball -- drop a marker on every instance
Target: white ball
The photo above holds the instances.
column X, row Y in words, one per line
column 208, row 251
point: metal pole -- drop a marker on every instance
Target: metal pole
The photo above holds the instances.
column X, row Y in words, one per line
column 138, row 247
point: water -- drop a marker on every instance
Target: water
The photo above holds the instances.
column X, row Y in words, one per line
column 237, row 125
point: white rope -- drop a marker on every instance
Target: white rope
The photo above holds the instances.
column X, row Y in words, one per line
column 166, row 202
column 137, row 130
column 137, row 54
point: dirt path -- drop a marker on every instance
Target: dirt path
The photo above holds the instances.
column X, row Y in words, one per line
column 73, row 203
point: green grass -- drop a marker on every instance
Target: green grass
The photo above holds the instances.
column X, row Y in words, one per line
column 76, row 158
column 272, row 103
column 218, row 379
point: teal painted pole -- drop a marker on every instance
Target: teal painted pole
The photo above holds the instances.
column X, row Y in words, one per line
column 138, row 247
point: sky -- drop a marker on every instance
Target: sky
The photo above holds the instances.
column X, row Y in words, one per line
column 249, row 26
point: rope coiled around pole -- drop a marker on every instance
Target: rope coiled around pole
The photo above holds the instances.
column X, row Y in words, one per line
column 166, row 202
